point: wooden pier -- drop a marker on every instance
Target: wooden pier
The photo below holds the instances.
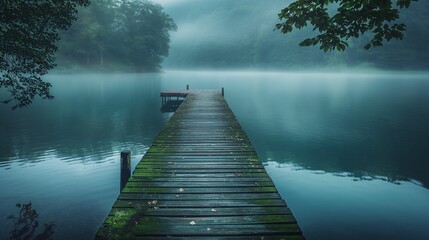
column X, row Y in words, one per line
column 201, row 179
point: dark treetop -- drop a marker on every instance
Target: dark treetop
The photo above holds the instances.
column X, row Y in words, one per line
column 126, row 35
column 28, row 33
column 135, row 31
column 351, row 19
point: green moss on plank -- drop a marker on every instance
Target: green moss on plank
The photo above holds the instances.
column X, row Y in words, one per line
column 124, row 223
column 177, row 155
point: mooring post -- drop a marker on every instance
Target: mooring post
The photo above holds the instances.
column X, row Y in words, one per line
column 223, row 92
column 125, row 167
column 187, row 87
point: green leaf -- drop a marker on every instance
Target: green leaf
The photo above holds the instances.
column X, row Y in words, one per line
column 352, row 19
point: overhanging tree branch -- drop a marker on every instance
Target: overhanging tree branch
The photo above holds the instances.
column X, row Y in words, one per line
column 352, row 19
column 29, row 30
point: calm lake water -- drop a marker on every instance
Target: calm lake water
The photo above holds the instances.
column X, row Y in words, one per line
column 348, row 152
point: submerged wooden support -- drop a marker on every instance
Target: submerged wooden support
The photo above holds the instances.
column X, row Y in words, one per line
column 201, row 179
column 125, row 168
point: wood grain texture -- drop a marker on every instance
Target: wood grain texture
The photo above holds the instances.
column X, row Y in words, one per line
column 201, row 179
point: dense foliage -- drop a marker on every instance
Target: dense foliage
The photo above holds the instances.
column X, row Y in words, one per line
column 351, row 19
column 121, row 32
column 131, row 35
column 29, row 30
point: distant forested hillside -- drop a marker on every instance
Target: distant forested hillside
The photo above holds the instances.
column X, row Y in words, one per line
column 239, row 34
column 128, row 35
column 135, row 35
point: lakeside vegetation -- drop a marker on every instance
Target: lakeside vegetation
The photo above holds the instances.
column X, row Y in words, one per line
column 117, row 35
column 134, row 36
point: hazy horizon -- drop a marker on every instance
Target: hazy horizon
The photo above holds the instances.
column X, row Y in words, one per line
column 221, row 34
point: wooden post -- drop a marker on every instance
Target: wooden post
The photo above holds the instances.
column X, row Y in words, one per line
column 187, row 87
column 125, row 167
column 223, row 92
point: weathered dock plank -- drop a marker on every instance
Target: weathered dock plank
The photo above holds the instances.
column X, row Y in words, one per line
column 201, row 178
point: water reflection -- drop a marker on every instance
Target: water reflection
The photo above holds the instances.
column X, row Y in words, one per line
column 339, row 206
column 373, row 126
column 170, row 106
column 88, row 120
column 346, row 152
column 26, row 224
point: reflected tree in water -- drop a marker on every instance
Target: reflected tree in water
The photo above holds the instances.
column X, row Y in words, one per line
column 27, row 223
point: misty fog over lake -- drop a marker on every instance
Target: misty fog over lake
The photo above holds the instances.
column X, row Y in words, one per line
column 343, row 135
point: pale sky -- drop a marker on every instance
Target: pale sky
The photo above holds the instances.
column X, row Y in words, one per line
column 168, row 2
